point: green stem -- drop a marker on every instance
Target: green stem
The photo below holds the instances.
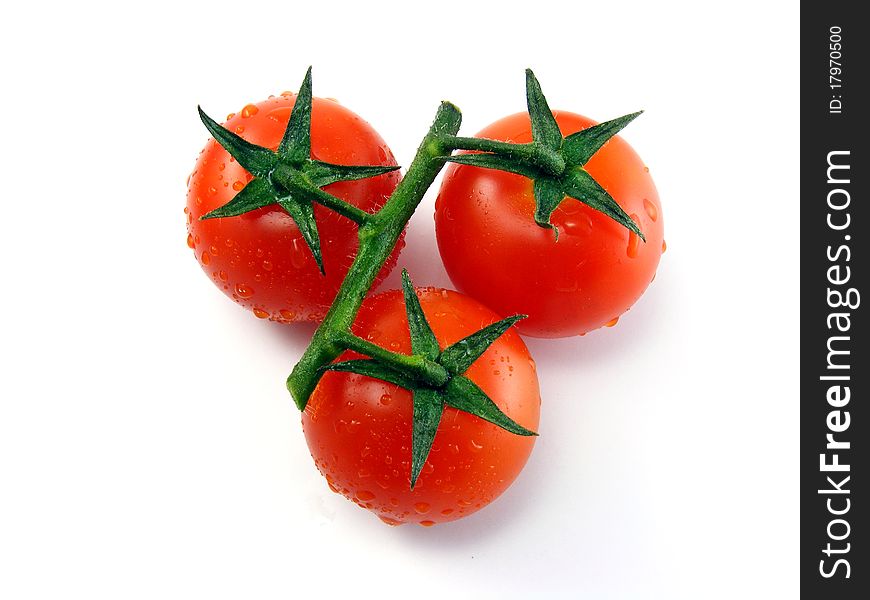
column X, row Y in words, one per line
column 532, row 154
column 289, row 179
column 429, row 371
column 377, row 238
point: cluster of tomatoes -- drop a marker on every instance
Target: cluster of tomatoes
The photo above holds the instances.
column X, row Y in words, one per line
column 578, row 275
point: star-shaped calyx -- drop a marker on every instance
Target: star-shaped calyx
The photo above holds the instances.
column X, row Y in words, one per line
column 455, row 390
column 556, row 163
column 289, row 176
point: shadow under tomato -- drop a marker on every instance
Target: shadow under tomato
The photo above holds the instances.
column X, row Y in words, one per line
column 295, row 335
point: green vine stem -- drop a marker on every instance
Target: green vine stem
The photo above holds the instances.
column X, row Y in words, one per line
column 377, row 237
column 532, row 154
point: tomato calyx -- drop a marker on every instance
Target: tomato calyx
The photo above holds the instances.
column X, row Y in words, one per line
column 435, row 377
column 554, row 163
column 288, row 176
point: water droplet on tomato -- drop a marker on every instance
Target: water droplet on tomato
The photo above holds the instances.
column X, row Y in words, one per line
column 260, row 313
column 205, row 258
column 244, row 291
column 646, row 169
column 447, row 511
column 612, row 322
column 422, row 508
column 365, row 495
column 633, row 240
column 222, row 275
column 569, row 207
column 386, row 399
column 363, row 473
column 190, row 243
column 579, row 224
column 427, row 523
column 298, row 254
column 249, row 111
column 267, row 265
column 222, row 166
column 230, row 116
column 287, row 314
column 390, row 521
column 651, row 210
column 240, row 129
column 238, row 186
column 475, row 447
column 388, row 459
column 664, row 246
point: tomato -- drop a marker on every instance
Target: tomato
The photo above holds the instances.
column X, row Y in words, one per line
column 569, row 284
column 359, row 429
column 260, row 259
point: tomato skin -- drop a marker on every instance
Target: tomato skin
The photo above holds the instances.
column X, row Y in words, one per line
column 495, row 252
column 359, row 429
column 259, row 259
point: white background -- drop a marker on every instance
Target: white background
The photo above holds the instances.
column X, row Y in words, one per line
column 148, row 448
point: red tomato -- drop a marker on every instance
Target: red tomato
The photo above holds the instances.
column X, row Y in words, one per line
column 595, row 270
column 359, row 429
column 259, row 259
